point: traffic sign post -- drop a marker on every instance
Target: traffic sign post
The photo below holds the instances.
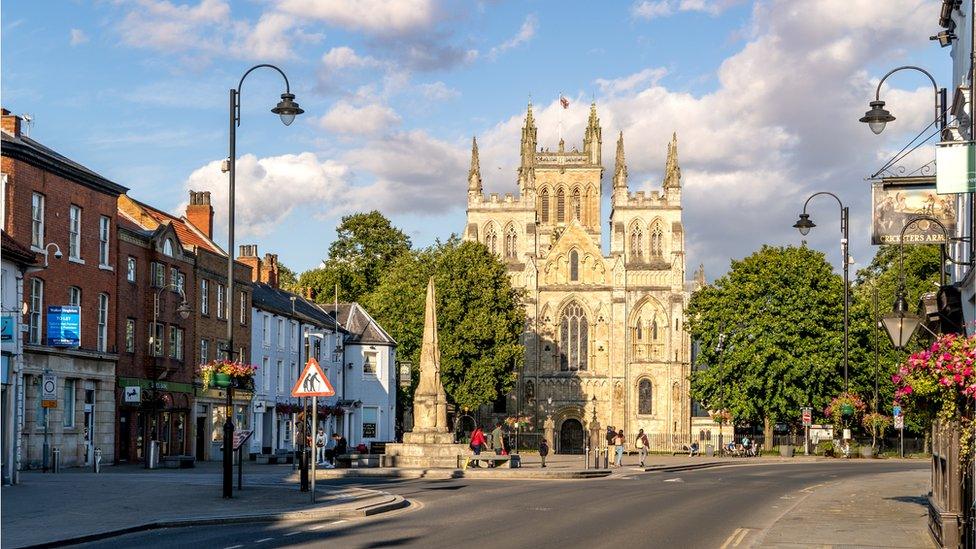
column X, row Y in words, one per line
column 49, row 399
column 240, row 437
column 900, row 425
column 807, row 421
column 313, row 383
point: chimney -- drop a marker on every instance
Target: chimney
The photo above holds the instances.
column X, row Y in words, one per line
column 11, row 123
column 269, row 269
column 199, row 212
column 249, row 257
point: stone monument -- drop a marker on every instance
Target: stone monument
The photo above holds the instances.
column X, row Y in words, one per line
column 430, row 443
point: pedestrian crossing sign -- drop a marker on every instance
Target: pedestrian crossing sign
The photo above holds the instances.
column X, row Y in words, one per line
column 312, row 382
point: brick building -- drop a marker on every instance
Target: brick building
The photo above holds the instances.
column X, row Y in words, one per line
column 65, row 212
column 156, row 364
column 207, row 324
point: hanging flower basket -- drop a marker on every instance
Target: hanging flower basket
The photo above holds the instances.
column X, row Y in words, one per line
column 224, row 373
column 519, row 422
column 844, row 406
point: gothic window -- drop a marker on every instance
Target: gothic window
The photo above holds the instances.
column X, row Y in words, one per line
column 657, row 249
column 573, row 340
column 529, row 390
column 544, row 205
column 654, row 329
column 644, row 395
column 636, row 243
column 491, row 239
column 639, row 329
column 574, row 266
column 511, row 243
column 575, row 203
column 560, row 205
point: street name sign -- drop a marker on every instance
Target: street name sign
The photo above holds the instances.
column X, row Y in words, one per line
column 49, row 391
column 312, row 382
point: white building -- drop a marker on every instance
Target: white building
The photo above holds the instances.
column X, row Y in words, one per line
column 367, row 389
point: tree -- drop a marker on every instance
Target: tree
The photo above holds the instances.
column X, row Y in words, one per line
column 780, row 314
column 366, row 245
column 479, row 315
column 287, row 278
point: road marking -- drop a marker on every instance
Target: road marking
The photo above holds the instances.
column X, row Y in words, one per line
column 292, row 533
column 674, row 480
column 316, row 527
column 263, row 540
column 340, row 521
column 728, row 540
column 233, row 547
column 735, row 538
column 742, row 536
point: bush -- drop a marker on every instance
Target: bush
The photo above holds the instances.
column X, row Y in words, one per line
column 825, row 448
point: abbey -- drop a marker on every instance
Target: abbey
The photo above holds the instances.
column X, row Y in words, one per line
column 604, row 334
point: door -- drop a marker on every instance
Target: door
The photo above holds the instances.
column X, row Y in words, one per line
column 89, row 422
column 125, row 435
column 201, row 439
column 571, row 437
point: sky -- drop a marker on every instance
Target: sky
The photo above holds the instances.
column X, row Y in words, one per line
column 764, row 97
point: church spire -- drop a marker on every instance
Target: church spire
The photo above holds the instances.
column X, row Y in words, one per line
column 593, row 137
column 620, row 165
column 528, row 138
column 672, row 172
column 474, row 174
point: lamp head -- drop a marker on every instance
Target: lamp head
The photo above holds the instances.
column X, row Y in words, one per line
column 877, row 117
column 804, row 224
column 287, row 108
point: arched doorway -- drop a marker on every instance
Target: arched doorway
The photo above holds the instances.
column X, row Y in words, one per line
column 571, row 437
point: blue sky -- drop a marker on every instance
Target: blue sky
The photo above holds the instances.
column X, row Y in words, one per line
column 764, row 97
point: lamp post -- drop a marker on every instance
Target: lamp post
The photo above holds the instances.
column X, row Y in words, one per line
column 804, row 224
column 878, row 117
column 287, row 109
column 184, row 311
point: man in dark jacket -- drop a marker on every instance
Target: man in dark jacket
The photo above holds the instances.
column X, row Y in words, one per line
column 543, row 450
column 340, row 444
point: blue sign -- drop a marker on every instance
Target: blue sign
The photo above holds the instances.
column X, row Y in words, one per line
column 64, row 325
column 6, row 328
column 896, row 411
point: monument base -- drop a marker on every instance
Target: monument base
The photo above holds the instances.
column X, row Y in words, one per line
column 428, row 437
column 426, row 454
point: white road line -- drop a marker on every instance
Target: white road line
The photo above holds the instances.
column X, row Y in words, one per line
column 316, row 527
column 291, row 534
column 340, row 521
column 728, row 540
column 233, row 547
column 263, row 540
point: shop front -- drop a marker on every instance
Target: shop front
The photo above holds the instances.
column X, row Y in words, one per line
column 148, row 413
column 210, row 413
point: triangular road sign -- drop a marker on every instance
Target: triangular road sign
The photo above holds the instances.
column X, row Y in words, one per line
column 312, row 382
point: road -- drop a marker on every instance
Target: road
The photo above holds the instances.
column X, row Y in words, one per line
column 721, row 507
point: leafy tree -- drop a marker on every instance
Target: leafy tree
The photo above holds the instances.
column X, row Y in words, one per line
column 780, row 314
column 366, row 245
column 480, row 317
column 287, row 278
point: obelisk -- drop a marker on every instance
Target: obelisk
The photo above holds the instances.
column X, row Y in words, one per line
column 430, row 400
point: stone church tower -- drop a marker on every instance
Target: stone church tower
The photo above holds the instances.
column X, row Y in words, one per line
column 605, row 333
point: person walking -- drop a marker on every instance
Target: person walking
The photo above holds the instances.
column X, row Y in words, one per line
column 320, row 446
column 543, row 450
column 477, row 440
column 618, row 442
column 641, row 444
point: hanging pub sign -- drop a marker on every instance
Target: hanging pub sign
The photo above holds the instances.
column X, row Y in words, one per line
column 956, row 171
column 896, row 200
column 64, row 325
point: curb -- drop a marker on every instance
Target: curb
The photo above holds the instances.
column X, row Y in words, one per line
column 392, row 504
column 691, row 466
column 519, row 473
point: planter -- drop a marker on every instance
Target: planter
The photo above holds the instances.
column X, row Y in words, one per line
column 221, row 380
column 867, row 452
column 709, row 450
column 786, row 450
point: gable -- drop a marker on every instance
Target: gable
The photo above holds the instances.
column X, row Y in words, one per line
column 591, row 266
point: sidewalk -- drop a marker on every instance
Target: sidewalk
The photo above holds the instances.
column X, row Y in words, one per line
column 47, row 508
column 881, row 510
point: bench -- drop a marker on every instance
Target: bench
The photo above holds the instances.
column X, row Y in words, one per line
column 355, row 461
column 514, row 460
column 177, row 462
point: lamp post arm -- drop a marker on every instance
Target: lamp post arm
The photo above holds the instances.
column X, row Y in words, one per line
column 237, row 91
column 828, row 193
column 939, row 94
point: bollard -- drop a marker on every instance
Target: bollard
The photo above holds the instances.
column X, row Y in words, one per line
column 586, row 458
column 97, row 462
column 56, row 460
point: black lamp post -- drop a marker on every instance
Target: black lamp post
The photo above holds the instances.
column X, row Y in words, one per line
column 878, row 117
column 804, row 224
column 287, row 109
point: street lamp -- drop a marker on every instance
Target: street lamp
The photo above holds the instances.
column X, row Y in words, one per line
column 287, row 109
column 184, row 311
column 878, row 117
column 804, row 224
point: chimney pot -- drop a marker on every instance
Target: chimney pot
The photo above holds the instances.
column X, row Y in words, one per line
column 200, row 213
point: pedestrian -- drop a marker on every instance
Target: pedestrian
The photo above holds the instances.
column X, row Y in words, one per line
column 497, row 441
column 320, row 446
column 543, row 450
column 477, row 440
column 340, row 444
column 618, row 442
column 641, row 443
column 611, row 433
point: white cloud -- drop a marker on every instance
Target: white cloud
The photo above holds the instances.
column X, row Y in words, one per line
column 626, row 84
column 438, row 91
column 525, row 33
column 366, row 120
column 344, row 57
column 270, row 189
column 78, row 37
column 650, row 9
column 378, row 17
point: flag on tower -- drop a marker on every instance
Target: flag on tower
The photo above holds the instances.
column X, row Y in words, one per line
column 563, row 101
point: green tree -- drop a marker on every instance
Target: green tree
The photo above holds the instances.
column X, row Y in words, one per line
column 287, row 278
column 479, row 315
column 780, row 314
column 366, row 245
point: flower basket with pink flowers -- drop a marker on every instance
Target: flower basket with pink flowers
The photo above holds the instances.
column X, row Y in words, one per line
column 224, row 373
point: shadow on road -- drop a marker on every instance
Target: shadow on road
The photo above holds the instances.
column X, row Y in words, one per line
column 920, row 500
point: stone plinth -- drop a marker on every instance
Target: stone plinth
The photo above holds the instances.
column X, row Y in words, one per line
column 425, row 454
column 428, row 438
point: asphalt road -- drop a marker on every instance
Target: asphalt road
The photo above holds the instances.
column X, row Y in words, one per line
column 707, row 508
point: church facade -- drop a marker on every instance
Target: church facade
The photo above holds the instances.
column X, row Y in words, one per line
column 605, row 336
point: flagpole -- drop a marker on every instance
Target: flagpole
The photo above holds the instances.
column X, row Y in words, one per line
column 560, row 125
